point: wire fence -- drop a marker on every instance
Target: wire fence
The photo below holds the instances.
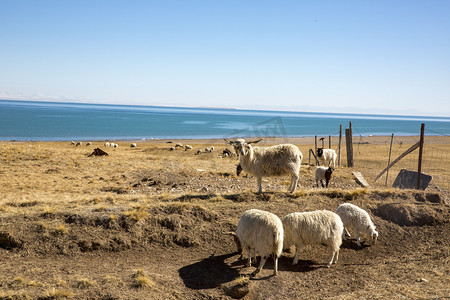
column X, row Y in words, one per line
column 371, row 156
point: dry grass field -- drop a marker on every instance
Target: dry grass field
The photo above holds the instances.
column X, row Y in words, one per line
column 149, row 223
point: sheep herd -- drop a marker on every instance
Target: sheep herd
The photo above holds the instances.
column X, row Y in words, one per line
column 265, row 233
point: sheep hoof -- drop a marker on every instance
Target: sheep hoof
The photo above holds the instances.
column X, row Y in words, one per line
column 253, row 273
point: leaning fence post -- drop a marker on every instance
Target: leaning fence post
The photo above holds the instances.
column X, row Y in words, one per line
column 315, row 144
column 389, row 160
column 419, row 171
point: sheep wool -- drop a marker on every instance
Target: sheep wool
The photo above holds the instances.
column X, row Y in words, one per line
column 262, row 232
column 313, row 228
column 358, row 220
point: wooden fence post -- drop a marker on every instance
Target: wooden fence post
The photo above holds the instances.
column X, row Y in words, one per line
column 329, row 142
column 340, row 139
column 389, row 160
column 315, row 145
column 349, row 143
column 419, row 171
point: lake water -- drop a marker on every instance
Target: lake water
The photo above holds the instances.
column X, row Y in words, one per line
column 49, row 121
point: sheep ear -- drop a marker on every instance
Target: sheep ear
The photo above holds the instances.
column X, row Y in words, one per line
column 255, row 142
column 231, row 143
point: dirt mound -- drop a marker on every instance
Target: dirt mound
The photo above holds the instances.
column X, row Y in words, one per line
column 410, row 214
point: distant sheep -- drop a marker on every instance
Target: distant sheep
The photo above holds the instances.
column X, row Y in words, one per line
column 358, row 220
column 313, row 228
column 178, row 145
column 88, row 144
column 262, row 232
column 226, row 152
column 323, row 173
column 208, row 150
column 79, row 144
column 187, row 147
column 261, row 162
column 199, row 151
column 72, row 143
column 327, row 156
column 115, row 145
column 107, row 144
column 133, row 145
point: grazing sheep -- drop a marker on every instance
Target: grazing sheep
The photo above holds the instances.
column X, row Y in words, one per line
column 79, row 144
column 358, row 220
column 321, row 174
column 187, row 147
column 116, row 146
column 327, row 156
column 313, row 228
column 172, row 148
column 133, row 145
column 107, row 144
column 199, row 151
column 277, row 160
column 262, row 232
column 227, row 152
column 208, row 150
column 178, row 145
column 72, row 143
column 88, row 144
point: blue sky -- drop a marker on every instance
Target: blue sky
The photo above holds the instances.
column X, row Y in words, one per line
column 326, row 56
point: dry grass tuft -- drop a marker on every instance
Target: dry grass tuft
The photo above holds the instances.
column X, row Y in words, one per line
column 84, row 283
column 141, row 280
column 57, row 294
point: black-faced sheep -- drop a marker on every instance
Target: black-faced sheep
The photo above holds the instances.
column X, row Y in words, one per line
column 358, row 220
column 313, row 228
column 321, row 174
column 262, row 162
column 262, row 232
column 327, row 156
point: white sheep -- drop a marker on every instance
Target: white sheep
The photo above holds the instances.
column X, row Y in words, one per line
column 133, row 145
column 199, row 151
column 327, row 156
column 261, row 162
column 107, row 144
column 79, row 144
column 208, row 150
column 262, row 232
column 187, row 147
column 358, row 220
column 115, row 145
column 72, row 143
column 313, row 228
column 88, row 144
column 321, row 174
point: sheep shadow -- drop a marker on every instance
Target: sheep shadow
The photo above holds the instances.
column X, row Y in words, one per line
column 351, row 245
column 284, row 265
column 208, row 273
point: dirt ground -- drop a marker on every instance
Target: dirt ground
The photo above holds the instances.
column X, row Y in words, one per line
column 151, row 223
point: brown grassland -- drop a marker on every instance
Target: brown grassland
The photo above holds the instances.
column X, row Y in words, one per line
column 149, row 223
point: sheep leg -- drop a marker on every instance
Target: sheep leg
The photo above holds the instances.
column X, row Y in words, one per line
column 297, row 251
column 327, row 182
column 261, row 265
column 346, row 234
column 260, row 185
column 321, row 182
column 294, row 181
column 358, row 242
column 249, row 261
column 331, row 258
column 275, row 265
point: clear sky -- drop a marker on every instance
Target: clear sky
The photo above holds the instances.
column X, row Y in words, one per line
column 326, row 56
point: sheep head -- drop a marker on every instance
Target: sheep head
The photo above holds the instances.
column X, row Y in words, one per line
column 241, row 147
column 319, row 152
